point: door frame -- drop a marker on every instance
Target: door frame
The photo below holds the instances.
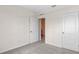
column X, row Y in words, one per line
column 40, row 27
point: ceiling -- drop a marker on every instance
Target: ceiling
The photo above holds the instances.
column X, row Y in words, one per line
column 42, row 9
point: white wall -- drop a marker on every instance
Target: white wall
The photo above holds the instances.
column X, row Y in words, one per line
column 14, row 27
column 54, row 26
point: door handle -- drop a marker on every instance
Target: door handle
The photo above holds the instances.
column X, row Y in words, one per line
column 62, row 32
column 30, row 31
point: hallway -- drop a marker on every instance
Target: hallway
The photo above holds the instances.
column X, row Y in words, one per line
column 39, row 48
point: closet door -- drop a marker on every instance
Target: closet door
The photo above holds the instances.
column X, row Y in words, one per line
column 33, row 29
column 70, row 30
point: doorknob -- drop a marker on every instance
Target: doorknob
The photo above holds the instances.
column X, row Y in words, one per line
column 30, row 31
column 62, row 32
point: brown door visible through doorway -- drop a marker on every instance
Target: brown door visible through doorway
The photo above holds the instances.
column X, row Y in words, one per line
column 42, row 25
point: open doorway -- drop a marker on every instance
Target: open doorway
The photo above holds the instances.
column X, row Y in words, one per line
column 42, row 29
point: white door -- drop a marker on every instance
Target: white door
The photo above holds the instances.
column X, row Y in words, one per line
column 33, row 29
column 70, row 30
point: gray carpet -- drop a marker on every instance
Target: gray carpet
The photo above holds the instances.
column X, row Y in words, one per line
column 40, row 48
